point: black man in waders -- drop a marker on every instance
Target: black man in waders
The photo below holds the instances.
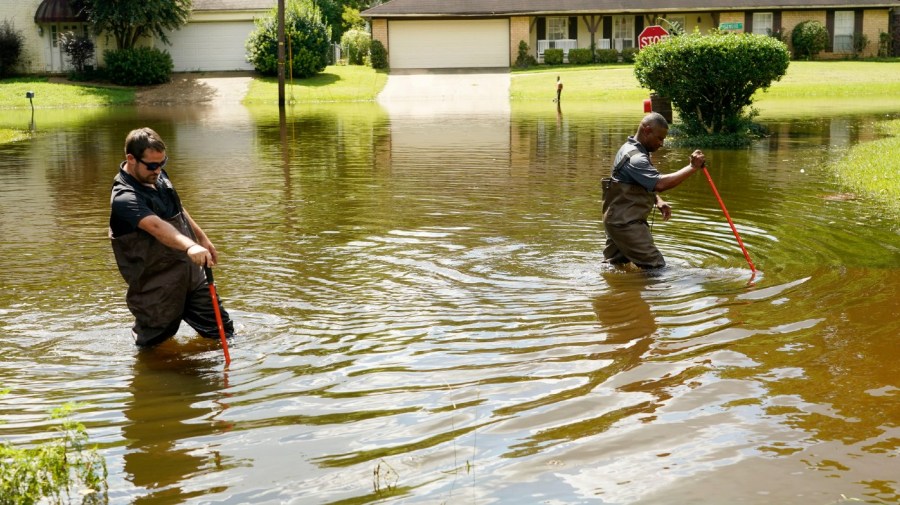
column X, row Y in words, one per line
column 630, row 195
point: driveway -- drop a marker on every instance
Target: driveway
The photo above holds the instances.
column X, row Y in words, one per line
column 484, row 89
column 197, row 88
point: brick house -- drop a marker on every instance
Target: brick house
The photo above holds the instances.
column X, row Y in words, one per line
column 486, row 33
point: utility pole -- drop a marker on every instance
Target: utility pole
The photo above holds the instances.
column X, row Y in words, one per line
column 280, row 54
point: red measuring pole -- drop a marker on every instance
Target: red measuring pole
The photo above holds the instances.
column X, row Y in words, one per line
column 730, row 222
column 215, row 303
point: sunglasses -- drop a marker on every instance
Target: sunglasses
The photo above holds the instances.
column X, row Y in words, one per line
column 153, row 167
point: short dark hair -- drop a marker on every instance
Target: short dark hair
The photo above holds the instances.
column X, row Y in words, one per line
column 142, row 139
column 655, row 119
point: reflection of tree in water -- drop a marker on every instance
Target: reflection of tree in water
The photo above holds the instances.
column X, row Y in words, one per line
column 171, row 390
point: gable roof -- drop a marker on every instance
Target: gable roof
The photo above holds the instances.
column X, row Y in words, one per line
column 441, row 8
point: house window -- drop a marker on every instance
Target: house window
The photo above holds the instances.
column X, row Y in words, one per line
column 843, row 31
column 623, row 31
column 762, row 23
column 557, row 28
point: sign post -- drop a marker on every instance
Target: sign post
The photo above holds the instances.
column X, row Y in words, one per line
column 651, row 35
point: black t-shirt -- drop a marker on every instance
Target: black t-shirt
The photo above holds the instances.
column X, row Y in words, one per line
column 131, row 201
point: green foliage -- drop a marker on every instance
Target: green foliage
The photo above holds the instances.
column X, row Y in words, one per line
column 884, row 44
column 78, row 48
column 11, row 42
column 378, row 56
column 674, row 28
column 138, row 66
column 553, row 56
column 355, row 44
column 607, row 56
column 734, row 67
column 307, row 36
column 524, row 58
column 860, row 43
column 130, row 20
column 351, row 20
column 580, row 56
column 809, row 38
column 50, row 472
column 629, row 54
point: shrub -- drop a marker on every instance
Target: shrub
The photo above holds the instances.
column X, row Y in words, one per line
column 860, row 43
column 11, row 42
column 138, row 66
column 553, row 56
column 79, row 49
column 580, row 56
column 308, row 35
column 607, row 56
column 884, row 44
column 629, row 54
column 356, row 44
column 809, row 38
column 524, row 59
column 54, row 469
column 378, row 55
column 734, row 67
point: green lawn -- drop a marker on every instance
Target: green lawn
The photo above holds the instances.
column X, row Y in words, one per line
column 60, row 94
column 338, row 83
column 804, row 79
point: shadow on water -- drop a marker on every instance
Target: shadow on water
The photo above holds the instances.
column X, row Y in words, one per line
column 424, row 314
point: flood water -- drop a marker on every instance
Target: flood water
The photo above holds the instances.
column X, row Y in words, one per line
column 423, row 316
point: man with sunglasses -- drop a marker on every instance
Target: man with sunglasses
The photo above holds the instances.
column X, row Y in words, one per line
column 160, row 250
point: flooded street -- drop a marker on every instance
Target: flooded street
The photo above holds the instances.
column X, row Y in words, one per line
column 423, row 317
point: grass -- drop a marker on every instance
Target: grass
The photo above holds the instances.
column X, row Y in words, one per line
column 804, row 79
column 60, row 94
column 338, row 83
column 870, row 169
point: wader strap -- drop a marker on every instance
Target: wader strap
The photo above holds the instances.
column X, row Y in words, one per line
column 624, row 160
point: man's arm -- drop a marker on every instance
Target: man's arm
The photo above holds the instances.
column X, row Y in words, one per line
column 669, row 181
column 169, row 236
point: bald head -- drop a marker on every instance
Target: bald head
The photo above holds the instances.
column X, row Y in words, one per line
column 652, row 131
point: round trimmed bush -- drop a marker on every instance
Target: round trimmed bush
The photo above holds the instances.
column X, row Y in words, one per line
column 138, row 66
column 309, row 42
column 378, row 55
column 734, row 67
column 809, row 38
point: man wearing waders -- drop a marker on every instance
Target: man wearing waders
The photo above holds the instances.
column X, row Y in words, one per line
column 159, row 249
column 631, row 193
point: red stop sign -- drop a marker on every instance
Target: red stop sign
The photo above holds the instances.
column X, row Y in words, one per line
column 650, row 35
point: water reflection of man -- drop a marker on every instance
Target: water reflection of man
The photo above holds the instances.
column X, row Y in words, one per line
column 169, row 388
column 630, row 194
column 160, row 250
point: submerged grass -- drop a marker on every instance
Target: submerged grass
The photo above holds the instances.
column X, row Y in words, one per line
column 870, row 169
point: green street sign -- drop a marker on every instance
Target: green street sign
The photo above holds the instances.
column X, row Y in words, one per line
column 731, row 26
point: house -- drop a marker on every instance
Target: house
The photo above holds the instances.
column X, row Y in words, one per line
column 486, row 33
column 213, row 39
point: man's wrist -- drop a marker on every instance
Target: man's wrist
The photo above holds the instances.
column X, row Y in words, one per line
column 189, row 247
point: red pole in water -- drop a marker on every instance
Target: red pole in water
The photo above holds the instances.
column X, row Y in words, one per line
column 215, row 304
column 730, row 222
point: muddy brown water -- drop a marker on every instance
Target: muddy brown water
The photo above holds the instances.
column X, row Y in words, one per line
column 423, row 316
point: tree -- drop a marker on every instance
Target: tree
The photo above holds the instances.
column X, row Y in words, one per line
column 129, row 20
column 11, row 43
column 711, row 79
column 306, row 35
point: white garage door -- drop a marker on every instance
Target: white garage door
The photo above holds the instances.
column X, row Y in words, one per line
column 449, row 44
column 210, row 46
